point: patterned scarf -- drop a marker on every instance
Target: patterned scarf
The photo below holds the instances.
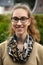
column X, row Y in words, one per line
column 14, row 52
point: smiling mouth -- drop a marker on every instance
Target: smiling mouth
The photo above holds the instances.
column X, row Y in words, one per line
column 19, row 27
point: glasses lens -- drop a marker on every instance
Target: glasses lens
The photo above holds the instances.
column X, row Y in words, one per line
column 23, row 18
column 16, row 19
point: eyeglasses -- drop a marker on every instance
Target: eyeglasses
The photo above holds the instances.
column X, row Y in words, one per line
column 16, row 19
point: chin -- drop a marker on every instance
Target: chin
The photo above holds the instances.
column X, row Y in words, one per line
column 19, row 33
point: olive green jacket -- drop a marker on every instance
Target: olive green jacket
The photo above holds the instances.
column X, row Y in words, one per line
column 36, row 56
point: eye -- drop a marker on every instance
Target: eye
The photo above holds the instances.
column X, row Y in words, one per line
column 24, row 18
column 15, row 18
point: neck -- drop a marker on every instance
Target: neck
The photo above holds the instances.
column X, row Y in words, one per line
column 21, row 38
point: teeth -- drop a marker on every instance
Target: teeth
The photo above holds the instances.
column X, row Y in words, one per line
column 18, row 27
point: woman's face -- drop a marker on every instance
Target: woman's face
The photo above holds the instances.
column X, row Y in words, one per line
column 20, row 21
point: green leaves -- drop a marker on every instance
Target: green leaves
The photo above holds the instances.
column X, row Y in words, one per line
column 39, row 19
column 5, row 21
column 4, row 24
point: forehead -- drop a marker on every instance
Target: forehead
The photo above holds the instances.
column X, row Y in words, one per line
column 20, row 12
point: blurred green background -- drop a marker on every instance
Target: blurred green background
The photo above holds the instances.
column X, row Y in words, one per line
column 5, row 21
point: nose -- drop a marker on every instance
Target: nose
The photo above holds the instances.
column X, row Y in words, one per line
column 19, row 22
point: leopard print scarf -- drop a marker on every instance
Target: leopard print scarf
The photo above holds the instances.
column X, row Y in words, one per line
column 14, row 52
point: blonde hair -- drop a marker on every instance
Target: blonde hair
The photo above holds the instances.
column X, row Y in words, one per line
column 32, row 29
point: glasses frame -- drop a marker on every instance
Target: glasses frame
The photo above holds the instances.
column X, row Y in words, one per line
column 22, row 19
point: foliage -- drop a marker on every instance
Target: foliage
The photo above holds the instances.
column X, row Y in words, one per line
column 39, row 19
column 5, row 21
column 4, row 24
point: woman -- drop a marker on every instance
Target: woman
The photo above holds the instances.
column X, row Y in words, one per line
column 22, row 47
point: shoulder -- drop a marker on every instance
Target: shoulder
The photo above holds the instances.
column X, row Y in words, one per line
column 3, row 46
column 39, row 48
column 38, row 45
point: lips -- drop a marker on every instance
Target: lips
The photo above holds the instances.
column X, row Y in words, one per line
column 19, row 28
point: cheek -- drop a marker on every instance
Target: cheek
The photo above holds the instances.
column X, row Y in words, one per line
column 13, row 25
column 28, row 23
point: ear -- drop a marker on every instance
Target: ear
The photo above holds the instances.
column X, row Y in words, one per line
column 29, row 21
